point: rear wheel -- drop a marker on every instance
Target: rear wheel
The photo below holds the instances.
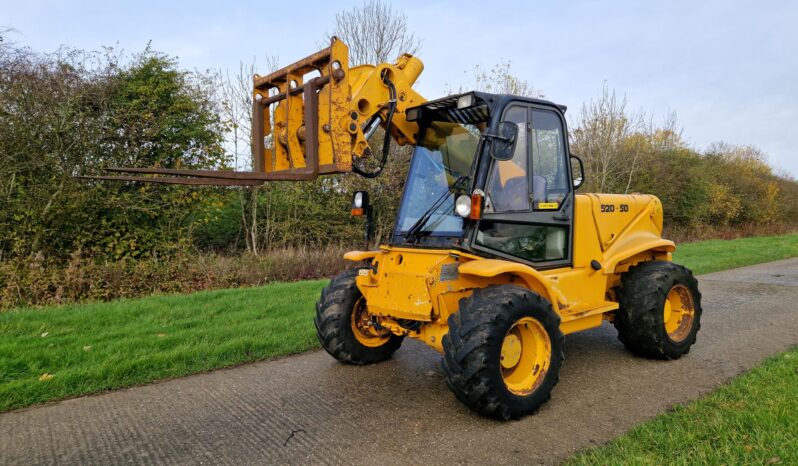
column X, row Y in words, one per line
column 503, row 352
column 345, row 328
column 660, row 310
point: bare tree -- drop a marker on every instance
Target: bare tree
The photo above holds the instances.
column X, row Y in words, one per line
column 614, row 143
column 375, row 33
column 7, row 45
column 498, row 80
column 236, row 91
column 739, row 154
column 599, row 135
column 237, row 113
column 4, row 32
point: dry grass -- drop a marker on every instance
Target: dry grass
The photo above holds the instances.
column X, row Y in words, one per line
column 37, row 282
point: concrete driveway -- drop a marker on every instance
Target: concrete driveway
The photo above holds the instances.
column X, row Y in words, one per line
column 310, row 409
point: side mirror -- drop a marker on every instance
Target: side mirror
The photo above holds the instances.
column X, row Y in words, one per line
column 579, row 178
column 502, row 146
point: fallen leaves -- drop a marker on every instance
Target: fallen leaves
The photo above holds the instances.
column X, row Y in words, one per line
column 45, row 377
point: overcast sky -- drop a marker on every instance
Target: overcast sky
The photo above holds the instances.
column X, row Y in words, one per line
column 729, row 69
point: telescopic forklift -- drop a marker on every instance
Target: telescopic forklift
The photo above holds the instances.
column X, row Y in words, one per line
column 494, row 258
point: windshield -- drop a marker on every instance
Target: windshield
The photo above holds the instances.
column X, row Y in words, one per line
column 441, row 158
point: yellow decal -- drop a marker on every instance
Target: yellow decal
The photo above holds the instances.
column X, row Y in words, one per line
column 548, row 205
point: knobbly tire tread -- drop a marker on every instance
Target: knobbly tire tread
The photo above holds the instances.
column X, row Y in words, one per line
column 472, row 348
column 640, row 321
column 333, row 324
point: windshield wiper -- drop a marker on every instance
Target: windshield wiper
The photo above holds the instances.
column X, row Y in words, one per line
column 414, row 231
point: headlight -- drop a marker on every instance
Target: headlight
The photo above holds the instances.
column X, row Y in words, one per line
column 462, row 205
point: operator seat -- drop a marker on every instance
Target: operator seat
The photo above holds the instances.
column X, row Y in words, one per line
column 513, row 196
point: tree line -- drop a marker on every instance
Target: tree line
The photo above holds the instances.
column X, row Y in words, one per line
column 73, row 112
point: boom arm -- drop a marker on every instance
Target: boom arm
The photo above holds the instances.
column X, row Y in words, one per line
column 312, row 118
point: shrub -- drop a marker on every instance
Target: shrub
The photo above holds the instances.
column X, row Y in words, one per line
column 42, row 281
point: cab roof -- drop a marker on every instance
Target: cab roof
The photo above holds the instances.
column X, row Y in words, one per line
column 492, row 101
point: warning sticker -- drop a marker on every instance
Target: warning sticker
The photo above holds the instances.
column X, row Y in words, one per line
column 449, row 272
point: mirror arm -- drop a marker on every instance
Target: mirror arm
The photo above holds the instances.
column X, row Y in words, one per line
column 489, row 136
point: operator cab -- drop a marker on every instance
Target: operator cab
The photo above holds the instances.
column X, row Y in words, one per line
column 490, row 174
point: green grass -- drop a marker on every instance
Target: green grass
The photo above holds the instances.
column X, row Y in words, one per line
column 66, row 351
column 711, row 256
column 95, row 347
column 752, row 420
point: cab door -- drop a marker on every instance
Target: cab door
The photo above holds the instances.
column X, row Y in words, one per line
column 528, row 213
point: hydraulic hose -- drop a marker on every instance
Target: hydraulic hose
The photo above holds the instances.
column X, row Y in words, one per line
column 386, row 142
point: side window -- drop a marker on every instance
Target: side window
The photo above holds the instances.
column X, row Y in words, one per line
column 508, row 185
column 549, row 176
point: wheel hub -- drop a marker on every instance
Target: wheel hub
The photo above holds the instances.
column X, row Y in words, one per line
column 678, row 313
column 364, row 329
column 511, row 351
column 525, row 356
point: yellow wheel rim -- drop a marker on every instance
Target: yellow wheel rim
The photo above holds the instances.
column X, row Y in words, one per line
column 525, row 356
column 679, row 313
column 364, row 329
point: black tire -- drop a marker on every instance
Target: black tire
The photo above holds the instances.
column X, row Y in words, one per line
column 334, row 324
column 472, row 350
column 640, row 320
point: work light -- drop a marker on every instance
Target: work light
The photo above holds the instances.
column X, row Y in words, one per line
column 465, row 101
column 360, row 201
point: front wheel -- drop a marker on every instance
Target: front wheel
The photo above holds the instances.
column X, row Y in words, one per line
column 345, row 328
column 503, row 352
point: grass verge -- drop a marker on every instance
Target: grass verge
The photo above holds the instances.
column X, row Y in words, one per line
column 752, row 420
column 715, row 255
column 65, row 351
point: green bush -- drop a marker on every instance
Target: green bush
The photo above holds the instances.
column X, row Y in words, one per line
column 72, row 113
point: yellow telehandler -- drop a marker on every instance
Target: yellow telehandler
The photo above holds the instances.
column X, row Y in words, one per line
column 494, row 257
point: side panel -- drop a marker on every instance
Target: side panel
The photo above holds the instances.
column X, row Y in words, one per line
column 586, row 237
column 611, row 228
column 424, row 284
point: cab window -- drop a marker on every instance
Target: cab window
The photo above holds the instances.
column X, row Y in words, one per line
column 549, row 169
column 531, row 187
column 508, row 186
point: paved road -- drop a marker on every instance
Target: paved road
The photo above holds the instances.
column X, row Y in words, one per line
column 310, row 409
